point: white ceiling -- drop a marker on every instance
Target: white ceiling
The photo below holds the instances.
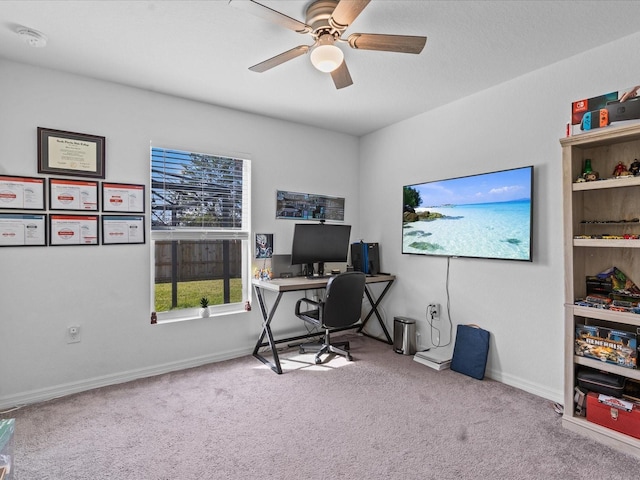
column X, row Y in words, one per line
column 201, row 50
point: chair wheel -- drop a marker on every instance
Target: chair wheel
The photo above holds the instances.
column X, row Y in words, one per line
column 301, row 350
column 318, row 361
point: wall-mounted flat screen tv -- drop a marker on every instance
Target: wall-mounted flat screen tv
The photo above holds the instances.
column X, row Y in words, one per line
column 479, row 216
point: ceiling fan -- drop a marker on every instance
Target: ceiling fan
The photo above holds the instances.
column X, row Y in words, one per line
column 326, row 21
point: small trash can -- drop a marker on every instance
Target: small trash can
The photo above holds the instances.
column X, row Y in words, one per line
column 404, row 335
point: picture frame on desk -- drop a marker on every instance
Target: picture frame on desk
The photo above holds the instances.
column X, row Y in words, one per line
column 264, row 245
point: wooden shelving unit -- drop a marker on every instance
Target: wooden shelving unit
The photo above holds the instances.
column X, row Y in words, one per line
column 606, row 207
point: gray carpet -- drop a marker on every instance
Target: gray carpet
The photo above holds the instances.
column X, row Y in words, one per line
column 381, row 416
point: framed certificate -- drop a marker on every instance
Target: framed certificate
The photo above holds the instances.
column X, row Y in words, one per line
column 122, row 229
column 65, row 194
column 122, row 197
column 24, row 193
column 23, row 230
column 73, row 229
column 69, row 153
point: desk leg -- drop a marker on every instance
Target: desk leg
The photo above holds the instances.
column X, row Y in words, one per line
column 374, row 309
column 266, row 330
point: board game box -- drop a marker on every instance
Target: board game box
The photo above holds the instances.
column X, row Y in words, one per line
column 608, row 345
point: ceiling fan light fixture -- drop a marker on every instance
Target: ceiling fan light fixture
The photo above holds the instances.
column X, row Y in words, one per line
column 325, row 56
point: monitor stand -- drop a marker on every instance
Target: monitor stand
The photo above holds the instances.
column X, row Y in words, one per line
column 308, row 270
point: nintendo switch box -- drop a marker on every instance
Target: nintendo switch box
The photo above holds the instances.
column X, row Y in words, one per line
column 613, row 108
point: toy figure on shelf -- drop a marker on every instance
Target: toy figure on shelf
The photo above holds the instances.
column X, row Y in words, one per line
column 588, row 175
column 621, row 170
column 634, row 168
column 263, row 273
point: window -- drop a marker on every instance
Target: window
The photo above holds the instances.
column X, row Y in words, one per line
column 200, row 231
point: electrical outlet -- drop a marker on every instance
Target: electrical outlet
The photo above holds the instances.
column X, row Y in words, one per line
column 73, row 334
column 433, row 311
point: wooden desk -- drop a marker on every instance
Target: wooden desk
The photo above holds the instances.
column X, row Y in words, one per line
column 297, row 284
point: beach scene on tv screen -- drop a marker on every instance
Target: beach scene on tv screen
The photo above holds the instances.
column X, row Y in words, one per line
column 484, row 216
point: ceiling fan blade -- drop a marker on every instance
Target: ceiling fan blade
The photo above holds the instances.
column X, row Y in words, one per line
column 387, row 43
column 341, row 76
column 346, row 12
column 271, row 15
column 279, row 59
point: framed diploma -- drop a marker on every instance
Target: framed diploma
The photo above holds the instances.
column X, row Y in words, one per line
column 68, row 153
column 20, row 230
column 122, row 229
column 24, row 193
column 73, row 229
column 122, row 197
column 65, row 194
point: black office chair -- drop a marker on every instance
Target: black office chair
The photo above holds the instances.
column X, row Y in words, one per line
column 341, row 307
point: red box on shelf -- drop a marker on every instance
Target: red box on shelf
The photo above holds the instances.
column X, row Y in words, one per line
column 613, row 417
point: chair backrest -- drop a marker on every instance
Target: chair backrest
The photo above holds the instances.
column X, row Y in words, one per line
column 343, row 299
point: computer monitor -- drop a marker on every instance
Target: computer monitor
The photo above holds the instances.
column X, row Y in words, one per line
column 319, row 243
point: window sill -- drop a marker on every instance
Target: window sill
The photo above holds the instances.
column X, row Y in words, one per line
column 191, row 314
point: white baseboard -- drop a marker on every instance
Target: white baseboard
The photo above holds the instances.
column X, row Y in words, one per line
column 56, row 391
column 536, row 389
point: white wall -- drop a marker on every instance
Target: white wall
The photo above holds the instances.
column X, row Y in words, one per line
column 515, row 124
column 106, row 289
